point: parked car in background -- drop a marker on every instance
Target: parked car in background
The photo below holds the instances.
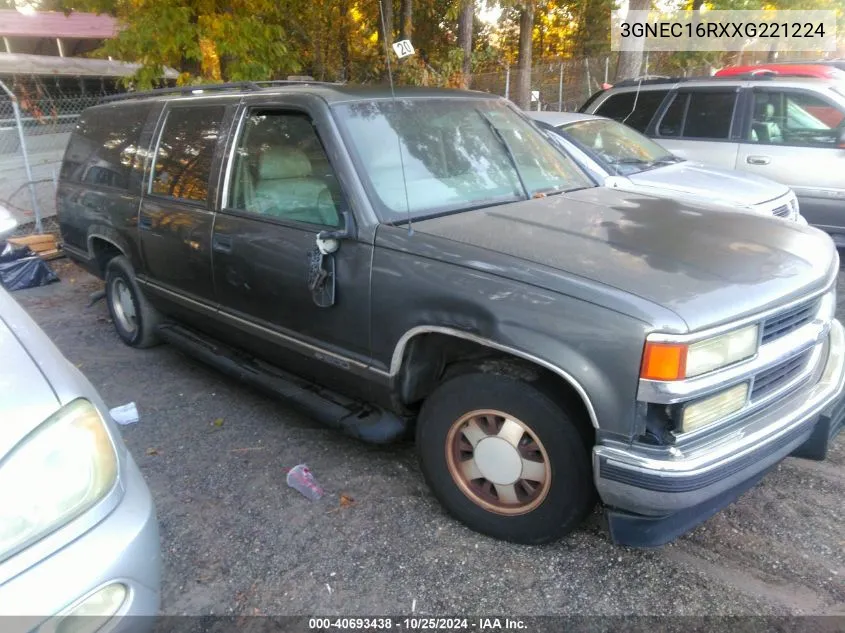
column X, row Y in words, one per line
column 836, row 63
column 622, row 158
column 430, row 262
column 78, row 529
column 788, row 130
column 819, row 71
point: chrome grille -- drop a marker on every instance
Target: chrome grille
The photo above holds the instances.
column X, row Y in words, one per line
column 790, row 320
column 772, row 379
column 783, row 212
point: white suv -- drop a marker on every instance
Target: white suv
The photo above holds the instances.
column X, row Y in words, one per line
column 787, row 129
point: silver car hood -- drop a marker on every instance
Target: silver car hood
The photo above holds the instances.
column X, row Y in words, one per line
column 35, row 377
column 27, row 398
column 710, row 183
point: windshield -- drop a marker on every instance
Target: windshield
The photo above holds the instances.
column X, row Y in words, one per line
column 457, row 154
column 621, row 149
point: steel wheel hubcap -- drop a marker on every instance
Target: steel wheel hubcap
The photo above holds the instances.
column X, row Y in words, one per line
column 498, row 462
column 124, row 306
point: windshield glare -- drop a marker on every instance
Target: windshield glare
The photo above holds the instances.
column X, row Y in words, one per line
column 623, row 150
column 453, row 158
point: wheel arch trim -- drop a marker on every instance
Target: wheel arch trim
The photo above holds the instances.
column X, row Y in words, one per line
column 108, row 235
column 399, row 354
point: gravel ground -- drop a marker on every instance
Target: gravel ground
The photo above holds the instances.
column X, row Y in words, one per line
column 236, row 540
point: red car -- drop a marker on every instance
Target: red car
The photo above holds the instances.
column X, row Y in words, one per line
column 784, row 70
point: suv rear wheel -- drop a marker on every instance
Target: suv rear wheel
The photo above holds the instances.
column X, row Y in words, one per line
column 135, row 320
column 505, row 459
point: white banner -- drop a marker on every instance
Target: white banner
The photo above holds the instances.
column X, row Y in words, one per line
column 723, row 31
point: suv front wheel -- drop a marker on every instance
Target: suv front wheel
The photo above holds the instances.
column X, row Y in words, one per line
column 505, row 459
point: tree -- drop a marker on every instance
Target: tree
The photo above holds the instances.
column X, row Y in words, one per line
column 387, row 31
column 630, row 62
column 406, row 9
column 213, row 40
column 466, row 20
column 526, row 43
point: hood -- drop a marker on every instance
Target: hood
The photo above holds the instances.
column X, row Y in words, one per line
column 708, row 268
column 711, row 183
column 26, row 398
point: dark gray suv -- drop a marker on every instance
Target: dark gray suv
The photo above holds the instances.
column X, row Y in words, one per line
column 429, row 262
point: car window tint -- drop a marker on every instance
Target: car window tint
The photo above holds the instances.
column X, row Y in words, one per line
column 794, row 118
column 185, row 150
column 281, row 170
column 633, row 110
column 709, row 115
column 673, row 118
column 103, row 148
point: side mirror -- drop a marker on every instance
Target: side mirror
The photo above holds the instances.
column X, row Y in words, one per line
column 329, row 241
column 321, row 265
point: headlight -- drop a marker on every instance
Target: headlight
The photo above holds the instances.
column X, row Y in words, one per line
column 713, row 408
column 676, row 361
column 796, row 208
column 57, row 472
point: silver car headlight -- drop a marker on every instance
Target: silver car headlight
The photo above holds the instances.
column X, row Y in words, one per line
column 57, row 472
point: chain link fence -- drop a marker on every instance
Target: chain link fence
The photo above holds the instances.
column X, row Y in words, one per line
column 564, row 85
column 36, row 119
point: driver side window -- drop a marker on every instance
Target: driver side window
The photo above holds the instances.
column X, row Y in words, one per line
column 281, row 170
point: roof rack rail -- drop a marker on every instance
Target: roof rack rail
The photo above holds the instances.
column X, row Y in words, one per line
column 293, row 82
column 759, row 76
column 236, row 85
column 183, row 90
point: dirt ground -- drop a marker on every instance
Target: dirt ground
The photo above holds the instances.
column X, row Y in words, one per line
column 237, row 540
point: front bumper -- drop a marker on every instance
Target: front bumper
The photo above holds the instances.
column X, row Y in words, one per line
column 654, row 498
column 123, row 548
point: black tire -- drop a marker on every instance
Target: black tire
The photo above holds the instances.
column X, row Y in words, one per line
column 120, row 275
column 570, row 495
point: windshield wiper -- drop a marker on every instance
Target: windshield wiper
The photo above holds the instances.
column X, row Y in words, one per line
column 511, row 156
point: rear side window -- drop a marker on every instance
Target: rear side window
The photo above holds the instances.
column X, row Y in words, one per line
column 103, row 149
column 704, row 115
column 631, row 109
column 185, row 151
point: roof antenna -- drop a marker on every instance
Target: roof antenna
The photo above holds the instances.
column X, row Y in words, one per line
column 402, row 49
column 636, row 99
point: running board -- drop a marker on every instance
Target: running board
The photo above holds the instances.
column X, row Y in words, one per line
column 362, row 421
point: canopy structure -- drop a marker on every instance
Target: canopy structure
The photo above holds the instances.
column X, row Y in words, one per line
column 50, row 66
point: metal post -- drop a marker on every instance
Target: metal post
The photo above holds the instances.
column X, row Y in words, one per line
column 507, row 81
column 6, row 44
column 22, row 139
column 589, row 79
column 60, row 47
column 606, row 68
column 560, row 90
column 646, row 65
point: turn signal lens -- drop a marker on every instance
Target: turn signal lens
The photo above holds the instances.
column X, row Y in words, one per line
column 664, row 361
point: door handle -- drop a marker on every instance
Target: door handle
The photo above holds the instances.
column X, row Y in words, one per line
column 145, row 222
column 758, row 160
column 222, row 243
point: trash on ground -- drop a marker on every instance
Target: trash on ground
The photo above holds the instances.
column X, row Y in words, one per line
column 346, row 500
column 300, row 478
column 125, row 414
column 152, row 451
column 44, row 245
column 20, row 268
column 218, row 422
column 94, row 297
